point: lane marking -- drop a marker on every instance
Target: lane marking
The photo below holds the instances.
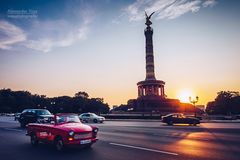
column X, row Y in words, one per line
column 11, row 129
column 145, row 149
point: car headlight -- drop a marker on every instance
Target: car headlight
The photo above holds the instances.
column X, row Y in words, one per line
column 95, row 130
column 71, row 133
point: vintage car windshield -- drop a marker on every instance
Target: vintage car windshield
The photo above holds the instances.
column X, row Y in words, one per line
column 67, row 119
column 42, row 112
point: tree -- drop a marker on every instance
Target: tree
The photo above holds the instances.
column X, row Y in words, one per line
column 224, row 96
column 17, row 101
column 81, row 94
column 226, row 102
column 98, row 99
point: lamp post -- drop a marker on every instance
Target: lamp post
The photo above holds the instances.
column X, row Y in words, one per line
column 194, row 101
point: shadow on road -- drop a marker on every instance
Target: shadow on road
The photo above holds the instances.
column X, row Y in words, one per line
column 46, row 151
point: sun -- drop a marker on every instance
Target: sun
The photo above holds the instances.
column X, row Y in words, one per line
column 184, row 95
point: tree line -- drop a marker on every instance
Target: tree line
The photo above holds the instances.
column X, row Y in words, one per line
column 17, row 101
column 226, row 103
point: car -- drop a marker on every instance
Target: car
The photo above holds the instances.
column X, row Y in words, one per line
column 179, row 118
column 16, row 116
column 34, row 116
column 91, row 117
column 65, row 130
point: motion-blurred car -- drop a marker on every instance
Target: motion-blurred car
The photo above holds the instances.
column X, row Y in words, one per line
column 65, row 130
column 34, row 116
column 91, row 117
column 179, row 118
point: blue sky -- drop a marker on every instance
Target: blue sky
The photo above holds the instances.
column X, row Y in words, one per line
column 98, row 47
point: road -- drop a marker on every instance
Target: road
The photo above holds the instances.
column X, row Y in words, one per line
column 132, row 140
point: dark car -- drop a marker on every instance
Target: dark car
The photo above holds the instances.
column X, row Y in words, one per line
column 179, row 118
column 34, row 116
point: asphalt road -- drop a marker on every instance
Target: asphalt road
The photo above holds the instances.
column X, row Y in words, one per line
column 134, row 140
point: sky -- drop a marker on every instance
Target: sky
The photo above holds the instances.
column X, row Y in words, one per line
column 60, row 47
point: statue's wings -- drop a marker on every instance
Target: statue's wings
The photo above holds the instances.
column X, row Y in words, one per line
column 151, row 15
column 146, row 14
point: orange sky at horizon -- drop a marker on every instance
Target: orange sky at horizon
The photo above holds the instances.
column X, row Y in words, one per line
column 116, row 98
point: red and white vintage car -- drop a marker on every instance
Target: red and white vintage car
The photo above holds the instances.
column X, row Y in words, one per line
column 62, row 131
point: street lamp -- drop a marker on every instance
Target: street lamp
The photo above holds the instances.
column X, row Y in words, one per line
column 194, row 101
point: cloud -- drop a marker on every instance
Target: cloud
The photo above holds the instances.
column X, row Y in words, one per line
column 179, row 8
column 44, row 45
column 49, row 34
column 10, row 35
column 44, row 36
column 209, row 3
column 165, row 9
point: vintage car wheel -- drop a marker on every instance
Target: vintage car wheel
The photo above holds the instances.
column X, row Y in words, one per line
column 59, row 144
column 170, row 123
column 34, row 140
column 95, row 120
